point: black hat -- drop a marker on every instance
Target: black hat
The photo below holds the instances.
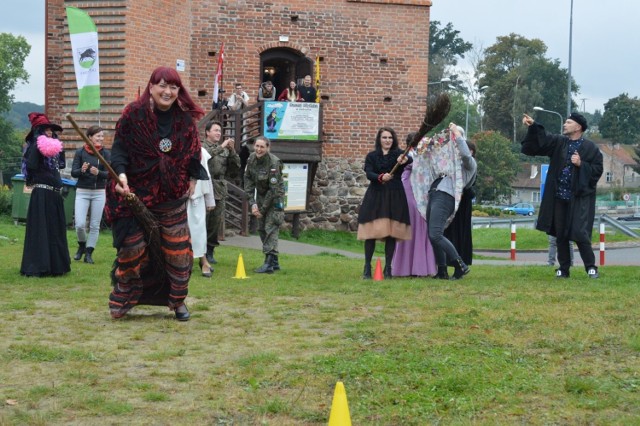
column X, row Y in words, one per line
column 579, row 118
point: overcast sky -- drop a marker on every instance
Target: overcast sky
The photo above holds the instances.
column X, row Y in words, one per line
column 605, row 62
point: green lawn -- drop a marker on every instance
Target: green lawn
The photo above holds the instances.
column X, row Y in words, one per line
column 505, row 345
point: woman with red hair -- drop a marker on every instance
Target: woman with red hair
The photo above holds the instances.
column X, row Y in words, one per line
column 156, row 154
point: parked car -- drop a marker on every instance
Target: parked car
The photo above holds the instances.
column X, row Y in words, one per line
column 525, row 209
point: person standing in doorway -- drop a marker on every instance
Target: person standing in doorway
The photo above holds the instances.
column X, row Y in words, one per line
column 307, row 91
column 224, row 164
column 568, row 206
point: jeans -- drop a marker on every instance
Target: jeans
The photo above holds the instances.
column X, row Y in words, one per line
column 89, row 201
column 441, row 206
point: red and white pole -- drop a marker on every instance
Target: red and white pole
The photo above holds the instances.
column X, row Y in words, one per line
column 513, row 241
column 602, row 244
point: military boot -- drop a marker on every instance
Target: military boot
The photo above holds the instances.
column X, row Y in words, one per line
column 266, row 267
column 274, row 263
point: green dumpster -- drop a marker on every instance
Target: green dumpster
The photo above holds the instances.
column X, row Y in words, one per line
column 22, row 195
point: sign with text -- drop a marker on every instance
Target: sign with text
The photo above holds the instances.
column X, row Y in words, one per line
column 295, row 177
column 291, row 120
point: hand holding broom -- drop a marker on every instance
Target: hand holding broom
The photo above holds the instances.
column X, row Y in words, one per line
column 437, row 110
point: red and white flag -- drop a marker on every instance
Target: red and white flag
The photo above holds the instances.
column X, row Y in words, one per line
column 218, row 81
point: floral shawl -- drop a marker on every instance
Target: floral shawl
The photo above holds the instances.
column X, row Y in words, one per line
column 435, row 156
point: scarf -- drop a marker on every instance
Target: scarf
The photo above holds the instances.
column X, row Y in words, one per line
column 436, row 156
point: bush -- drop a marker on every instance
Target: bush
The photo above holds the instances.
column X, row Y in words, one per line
column 6, row 196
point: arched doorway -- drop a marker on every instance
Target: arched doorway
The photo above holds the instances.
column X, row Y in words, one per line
column 282, row 65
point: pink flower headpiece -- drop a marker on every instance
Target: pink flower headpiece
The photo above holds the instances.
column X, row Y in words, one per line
column 49, row 147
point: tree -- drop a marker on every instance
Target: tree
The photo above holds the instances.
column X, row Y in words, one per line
column 13, row 52
column 520, row 77
column 445, row 46
column 497, row 166
column 621, row 120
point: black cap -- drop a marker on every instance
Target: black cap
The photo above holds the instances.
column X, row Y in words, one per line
column 579, row 118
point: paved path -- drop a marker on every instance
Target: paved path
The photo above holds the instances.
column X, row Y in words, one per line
column 627, row 254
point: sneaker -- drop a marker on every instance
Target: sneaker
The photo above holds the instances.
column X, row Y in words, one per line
column 593, row 273
column 562, row 274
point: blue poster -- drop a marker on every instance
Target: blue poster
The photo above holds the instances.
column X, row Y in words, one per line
column 291, row 120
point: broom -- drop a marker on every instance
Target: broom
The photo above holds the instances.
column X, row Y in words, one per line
column 146, row 219
column 437, row 110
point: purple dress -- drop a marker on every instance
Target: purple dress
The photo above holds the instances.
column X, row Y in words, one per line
column 414, row 257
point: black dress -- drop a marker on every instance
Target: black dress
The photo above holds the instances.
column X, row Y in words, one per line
column 384, row 211
column 46, row 251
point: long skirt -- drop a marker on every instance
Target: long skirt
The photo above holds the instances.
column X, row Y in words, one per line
column 136, row 280
column 414, row 257
column 46, row 251
column 384, row 213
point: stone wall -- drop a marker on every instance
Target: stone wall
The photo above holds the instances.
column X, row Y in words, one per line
column 335, row 197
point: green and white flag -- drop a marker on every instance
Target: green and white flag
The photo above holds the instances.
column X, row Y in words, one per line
column 86, row 61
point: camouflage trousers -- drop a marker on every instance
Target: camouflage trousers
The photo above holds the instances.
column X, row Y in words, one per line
column 214, row 220
column 269, row 229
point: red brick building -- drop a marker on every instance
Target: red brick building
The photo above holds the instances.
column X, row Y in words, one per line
column 373, row 58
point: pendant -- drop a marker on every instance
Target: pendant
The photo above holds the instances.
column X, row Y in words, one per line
column 165, row 145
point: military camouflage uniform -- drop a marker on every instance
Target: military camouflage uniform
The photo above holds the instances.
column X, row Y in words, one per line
column 264, row 186
column 223, row 164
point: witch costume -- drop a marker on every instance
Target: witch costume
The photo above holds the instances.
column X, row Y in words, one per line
column 46, row 251
column 159, row 151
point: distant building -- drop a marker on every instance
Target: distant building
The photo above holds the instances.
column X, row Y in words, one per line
column 618, row 162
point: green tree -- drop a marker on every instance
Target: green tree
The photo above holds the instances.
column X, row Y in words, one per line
column 520, row 77
column 13, row 52
column 497, row 167
column 621, row 120
column 445, row 47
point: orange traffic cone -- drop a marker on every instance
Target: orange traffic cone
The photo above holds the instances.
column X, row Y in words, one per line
column 377, row 275
column 240, row 273
column 339, row 407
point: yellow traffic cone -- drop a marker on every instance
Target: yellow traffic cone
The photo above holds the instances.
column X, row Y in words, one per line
column 339, row 408
column 240, row 273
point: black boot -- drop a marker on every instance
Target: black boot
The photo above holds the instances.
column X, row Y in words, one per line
column 210, row 258
column 274, row 263
column 266, row 267
column 366, row 274
column 80, row 252
column 387, row 271
column 461, row 269
column 442, row 274
column 87, row 255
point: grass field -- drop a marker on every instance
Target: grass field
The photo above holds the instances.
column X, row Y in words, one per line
column 505, row 345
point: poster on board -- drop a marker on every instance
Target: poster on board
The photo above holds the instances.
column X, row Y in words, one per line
column 295, row 177
column 291, row 120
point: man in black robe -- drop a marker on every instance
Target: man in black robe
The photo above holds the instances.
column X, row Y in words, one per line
column 567, row 210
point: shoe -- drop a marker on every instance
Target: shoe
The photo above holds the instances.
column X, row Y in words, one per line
column 442, row 274
column 209, row 255
column 182, row 313
column 274, row 263
column 387, row 272
column 206, row 274
column 562, row 274
column 593, row 272
column 266, row 267
column 366, row 274
column 461, row 269
column 80, row 252
column 87, row 255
